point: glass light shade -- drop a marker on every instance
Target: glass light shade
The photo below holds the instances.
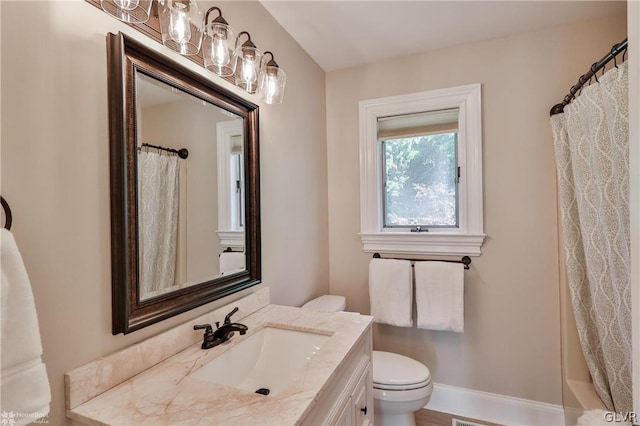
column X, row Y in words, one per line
column 131, row 11
column 271, row 84
column 181, row 25
column 247, row 68
column 217, row 49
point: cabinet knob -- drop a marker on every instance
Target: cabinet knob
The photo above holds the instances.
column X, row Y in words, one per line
column 364, row 410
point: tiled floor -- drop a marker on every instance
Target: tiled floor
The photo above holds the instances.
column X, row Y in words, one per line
column 436, row 418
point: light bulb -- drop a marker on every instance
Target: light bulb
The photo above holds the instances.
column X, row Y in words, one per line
column 220, row 53
column 248, row 71
column 271, row 88
column 179, row 28
column 126, row 4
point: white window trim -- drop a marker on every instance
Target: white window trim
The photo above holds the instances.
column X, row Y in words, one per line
column 229, row 233
column 469, row 236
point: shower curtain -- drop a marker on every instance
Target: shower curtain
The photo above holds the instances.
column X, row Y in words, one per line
column 591, row 140
column 157, row 220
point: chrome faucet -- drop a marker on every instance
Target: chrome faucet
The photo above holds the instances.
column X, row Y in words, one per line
column 223, row 333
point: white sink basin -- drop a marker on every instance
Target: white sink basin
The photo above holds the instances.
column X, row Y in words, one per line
column 272, row 358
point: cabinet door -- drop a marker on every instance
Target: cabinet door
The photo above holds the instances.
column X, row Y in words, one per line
column 362, row 399
column 346, row 415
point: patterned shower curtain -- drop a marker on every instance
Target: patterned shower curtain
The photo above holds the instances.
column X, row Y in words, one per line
column 591, row 141
column 157, row 220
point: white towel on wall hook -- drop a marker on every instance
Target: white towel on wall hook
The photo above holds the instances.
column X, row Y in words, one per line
column 24, row 385
column 390, row 291
column 440, row 295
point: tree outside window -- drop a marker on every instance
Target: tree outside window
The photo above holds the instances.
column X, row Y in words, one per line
column 420, row 181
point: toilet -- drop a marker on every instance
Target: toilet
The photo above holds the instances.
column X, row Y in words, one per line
column 401, row 385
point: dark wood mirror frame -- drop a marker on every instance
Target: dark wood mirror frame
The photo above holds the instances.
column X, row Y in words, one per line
column 125, row 57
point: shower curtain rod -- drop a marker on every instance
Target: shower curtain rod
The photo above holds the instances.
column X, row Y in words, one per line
column 182, row 153
column 597, row 66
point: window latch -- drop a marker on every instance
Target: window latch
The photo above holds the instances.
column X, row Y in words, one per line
column 419, row 229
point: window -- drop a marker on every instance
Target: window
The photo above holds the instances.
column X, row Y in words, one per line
column 419, row 170
column 230, row 163
column 421, row 173
column 236, row 169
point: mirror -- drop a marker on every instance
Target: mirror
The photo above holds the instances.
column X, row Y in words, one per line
column 184, row 187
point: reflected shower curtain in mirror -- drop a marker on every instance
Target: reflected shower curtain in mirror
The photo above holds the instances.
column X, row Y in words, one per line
column 158, row 220
column 591, row 140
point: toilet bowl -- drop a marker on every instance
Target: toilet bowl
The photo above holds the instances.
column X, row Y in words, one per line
column 401, row 385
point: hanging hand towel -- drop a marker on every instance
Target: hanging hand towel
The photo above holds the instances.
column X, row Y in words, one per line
column 390, row 291
column 440, row 295
column 24, row 386
column 232, row 262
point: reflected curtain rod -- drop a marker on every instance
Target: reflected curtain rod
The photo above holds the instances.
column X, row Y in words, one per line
column 597, row 66
column 182, row 153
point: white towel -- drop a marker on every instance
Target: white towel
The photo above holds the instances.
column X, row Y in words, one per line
column 24, row 386
column 390, row 292
column 232, row 262
column 440, row 295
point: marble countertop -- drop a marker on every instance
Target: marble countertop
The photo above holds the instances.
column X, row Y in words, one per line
column 167, row 394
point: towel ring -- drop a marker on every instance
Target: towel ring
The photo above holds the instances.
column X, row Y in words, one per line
column 7, row 213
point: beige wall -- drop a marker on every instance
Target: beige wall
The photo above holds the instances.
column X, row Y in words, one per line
column 55, row 172
column 511, row 343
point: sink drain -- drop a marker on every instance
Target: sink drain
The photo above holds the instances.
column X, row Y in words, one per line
column 263, row 391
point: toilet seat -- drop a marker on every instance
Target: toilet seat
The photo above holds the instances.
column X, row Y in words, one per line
column 395, row 372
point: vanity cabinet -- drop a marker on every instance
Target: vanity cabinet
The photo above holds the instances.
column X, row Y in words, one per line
column 161, row 384
column 362, row 400
column 348, row 399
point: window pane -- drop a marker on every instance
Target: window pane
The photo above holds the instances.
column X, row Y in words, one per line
column 420, row 181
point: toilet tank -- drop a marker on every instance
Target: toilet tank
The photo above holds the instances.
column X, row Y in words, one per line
column 326, row 303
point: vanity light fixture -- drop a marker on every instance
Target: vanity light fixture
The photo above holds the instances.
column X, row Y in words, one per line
column 272, row 81
column 181, row 25
column 183, row 29
column 131, row 11
column 248, row 59
column 218, row 45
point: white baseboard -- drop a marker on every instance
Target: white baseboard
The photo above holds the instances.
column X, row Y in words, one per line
column 494, row 408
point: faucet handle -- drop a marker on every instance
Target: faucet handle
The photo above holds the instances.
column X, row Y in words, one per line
column 227, row 319
column 208, row 338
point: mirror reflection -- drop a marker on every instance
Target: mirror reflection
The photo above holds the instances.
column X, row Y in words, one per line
column 191, row 209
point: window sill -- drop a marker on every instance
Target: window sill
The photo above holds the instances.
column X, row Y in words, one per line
column 423, row 243
column 232, row 239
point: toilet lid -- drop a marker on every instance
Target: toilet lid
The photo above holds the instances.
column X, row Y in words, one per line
column 398, row 371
